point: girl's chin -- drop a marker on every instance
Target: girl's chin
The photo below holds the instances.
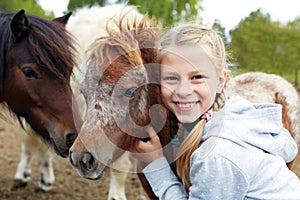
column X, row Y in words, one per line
column 187, row 119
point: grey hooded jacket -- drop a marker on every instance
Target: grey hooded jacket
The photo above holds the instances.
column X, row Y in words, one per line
column 242, row 155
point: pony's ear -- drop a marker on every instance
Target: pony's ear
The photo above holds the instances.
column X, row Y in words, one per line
column 19, row 24
column 64, row 19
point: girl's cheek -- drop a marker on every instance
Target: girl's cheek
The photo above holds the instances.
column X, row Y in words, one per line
column 166, row 94
column 167, row 90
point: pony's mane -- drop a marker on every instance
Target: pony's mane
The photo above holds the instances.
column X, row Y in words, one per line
column 126, row 37
column 50, row 44
column 125, row 24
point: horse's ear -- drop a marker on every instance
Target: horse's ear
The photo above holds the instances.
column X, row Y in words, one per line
column 19, row 24
column 64, row 19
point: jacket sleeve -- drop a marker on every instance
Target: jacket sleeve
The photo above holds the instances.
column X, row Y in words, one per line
column 216, row 177
column 213, row 177
column 288, row 150
column 163, row 181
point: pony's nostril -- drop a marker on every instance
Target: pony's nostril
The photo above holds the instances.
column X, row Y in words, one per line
column 71, row 158
column 70, row 138
column 88, row 161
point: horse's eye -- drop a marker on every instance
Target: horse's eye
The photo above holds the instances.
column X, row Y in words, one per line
column 29, row 73
column 130, row 92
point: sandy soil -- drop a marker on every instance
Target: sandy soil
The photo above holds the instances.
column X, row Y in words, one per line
column 68, row 184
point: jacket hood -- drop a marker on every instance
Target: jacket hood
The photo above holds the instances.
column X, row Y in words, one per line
column 253, row 126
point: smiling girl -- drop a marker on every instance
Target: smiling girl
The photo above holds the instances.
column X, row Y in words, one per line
column 233, row 150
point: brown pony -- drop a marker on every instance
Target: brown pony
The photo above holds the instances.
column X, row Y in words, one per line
column 122, row 91
column 36, row 63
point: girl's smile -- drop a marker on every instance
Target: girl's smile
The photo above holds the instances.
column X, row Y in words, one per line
column 189, row 82
column 186, row 106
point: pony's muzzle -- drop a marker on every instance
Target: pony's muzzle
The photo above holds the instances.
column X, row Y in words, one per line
column 63, row 141
column 84, row 163
column 70, row 138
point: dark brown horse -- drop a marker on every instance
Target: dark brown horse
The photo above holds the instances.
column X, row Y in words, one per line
column 122, row 91
column 36, row 62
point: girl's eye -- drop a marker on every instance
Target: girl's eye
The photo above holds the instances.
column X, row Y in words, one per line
column 171, row 78
column 130, row 92
column 197, row 77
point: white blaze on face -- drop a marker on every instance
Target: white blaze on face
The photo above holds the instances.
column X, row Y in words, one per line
column 109, row 105
column 124, row 91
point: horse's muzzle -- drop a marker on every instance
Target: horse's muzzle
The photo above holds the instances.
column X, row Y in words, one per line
column 86, row 165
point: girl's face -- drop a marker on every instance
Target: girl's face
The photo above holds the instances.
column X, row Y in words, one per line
column 189, row 81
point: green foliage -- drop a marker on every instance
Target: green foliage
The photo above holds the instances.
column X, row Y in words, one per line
column 167, row 12
column 263, row 45
column 218, row 27
column 75, row 4
column 30, row 7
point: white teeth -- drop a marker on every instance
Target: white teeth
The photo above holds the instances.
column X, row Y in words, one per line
column 185, row 105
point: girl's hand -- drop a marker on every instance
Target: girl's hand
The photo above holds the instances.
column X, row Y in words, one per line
column 148, row 151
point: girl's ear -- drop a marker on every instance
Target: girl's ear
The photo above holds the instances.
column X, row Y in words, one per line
column 222, row 80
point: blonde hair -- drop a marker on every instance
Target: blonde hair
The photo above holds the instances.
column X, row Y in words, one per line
column 193, row 34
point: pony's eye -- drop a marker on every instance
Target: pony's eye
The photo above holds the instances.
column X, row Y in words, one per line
column 130, row 92
column 29, row 73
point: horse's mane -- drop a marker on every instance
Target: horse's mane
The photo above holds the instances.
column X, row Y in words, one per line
column 131, row 43
column 48, row 41
column 126, row 35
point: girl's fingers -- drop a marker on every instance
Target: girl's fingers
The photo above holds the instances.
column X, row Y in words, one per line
column 152, row 134
column 151, row 145
column 150, row 150
column 150, row 131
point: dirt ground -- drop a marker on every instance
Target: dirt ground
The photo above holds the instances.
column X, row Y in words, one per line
column 68, row 184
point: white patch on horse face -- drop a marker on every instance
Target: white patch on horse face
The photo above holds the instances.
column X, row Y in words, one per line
column 108, row 107
column 135, row 78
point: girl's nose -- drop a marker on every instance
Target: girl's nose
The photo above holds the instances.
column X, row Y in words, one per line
column 184, row 88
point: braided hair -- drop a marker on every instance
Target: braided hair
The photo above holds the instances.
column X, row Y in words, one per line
column 193, row 34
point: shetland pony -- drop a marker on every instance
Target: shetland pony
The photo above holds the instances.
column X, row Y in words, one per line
column 36, row 63
column 93, row 21
column 122, row 91
column 32, row 146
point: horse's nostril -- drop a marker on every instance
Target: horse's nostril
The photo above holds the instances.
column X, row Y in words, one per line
column 72, row 159
column 88, row 161
column 70, row 138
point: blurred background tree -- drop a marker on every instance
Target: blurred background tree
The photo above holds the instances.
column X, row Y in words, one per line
column 30, row 7
column 167, row 12
column 269, row 46
column 75, row 4
column 256, row 44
